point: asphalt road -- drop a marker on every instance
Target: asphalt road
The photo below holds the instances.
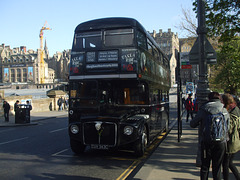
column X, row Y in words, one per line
column 43, row 152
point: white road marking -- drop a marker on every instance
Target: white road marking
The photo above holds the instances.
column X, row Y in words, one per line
column 59, row 154
column 58, row 130
column 15, row 140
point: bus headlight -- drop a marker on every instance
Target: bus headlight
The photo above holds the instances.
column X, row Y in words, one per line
column 71, row 112
column 128, row 130
column 74, row 129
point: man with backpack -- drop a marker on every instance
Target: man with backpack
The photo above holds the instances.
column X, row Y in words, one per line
column 213, row 119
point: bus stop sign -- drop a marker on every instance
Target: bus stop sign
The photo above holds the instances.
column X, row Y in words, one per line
column 210, row 53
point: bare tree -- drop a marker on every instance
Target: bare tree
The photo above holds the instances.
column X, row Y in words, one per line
column 188, row 23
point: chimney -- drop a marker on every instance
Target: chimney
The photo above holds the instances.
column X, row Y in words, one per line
column 23, row 49
column 154, row 33
column 160, row 32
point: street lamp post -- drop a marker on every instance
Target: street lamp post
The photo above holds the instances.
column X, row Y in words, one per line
column 203, row 87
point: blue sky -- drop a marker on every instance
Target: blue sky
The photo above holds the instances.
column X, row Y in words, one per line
column 21, row 20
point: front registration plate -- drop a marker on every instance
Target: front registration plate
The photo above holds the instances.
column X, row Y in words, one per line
column 98, row 146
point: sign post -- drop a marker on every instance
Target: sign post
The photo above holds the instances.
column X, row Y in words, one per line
column 202, row 53
column 184, row 59
column 179, row 96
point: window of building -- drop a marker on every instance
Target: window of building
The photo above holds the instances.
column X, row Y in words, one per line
column 18, row 75
column 24, row 74
column 12, row 75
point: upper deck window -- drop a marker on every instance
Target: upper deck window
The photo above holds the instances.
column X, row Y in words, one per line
column 88, row 40
column 141, row 40
column 119, row 37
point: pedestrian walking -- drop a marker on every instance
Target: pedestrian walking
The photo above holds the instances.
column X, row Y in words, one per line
column 29, row 105
column 6, row 108
column 60, row 103
column 27, row 112
column 189, row 106
column 16, row 110
column 234, row 140
column 213, row 119
column 16, row 105
column 183, row 103
column 195, row 105
column 195, row 110
column 66, row 104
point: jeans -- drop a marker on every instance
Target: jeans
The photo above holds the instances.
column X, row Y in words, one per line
column 215, row 152
column 189, row 112
column 228, row 163
column 6, row 115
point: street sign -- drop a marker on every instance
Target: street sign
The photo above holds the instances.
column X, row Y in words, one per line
column 184, row 60
column 210, row 53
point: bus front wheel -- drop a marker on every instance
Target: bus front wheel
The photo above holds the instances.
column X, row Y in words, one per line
column 141, row 144
column 76, row 146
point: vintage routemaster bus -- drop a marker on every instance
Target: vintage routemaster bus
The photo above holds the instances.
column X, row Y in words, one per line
column 118, row 86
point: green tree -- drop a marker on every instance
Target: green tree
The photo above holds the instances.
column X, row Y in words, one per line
column 222, row 18
column 228, row 66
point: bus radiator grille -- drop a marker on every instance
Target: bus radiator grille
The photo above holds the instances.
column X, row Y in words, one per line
column 106, row 135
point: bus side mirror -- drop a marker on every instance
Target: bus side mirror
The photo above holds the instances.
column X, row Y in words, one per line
column 141, row 88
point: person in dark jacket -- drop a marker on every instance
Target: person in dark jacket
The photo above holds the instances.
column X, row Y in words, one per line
column 6, row 108
column 16, row 109
column 60, row 103
column 211, row 151
column 16, row 105
column 189, row 106
column 234, row 141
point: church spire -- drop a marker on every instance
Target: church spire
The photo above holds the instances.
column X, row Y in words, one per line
column 46, row 49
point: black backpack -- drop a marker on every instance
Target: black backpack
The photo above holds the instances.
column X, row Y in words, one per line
column 215, row 129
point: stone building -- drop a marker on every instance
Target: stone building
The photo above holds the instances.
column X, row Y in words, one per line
column 60, row 63
column 21, row 66
column 168, row 42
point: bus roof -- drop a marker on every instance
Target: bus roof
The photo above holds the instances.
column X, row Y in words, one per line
column 113, row 22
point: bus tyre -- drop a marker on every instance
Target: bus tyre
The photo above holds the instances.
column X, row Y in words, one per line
column 141, row 144
column 76, row 146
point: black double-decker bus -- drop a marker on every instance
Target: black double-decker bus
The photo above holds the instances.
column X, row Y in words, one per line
column 118, row 86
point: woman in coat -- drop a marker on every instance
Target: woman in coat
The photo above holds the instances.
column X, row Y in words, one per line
column 234, row 140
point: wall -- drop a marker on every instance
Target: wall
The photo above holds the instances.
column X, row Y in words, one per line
column 38, row 105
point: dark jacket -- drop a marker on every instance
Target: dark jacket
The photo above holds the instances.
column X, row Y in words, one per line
column 213, row 107
column 6, row 107
column 16, row 107
column 189, row 104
